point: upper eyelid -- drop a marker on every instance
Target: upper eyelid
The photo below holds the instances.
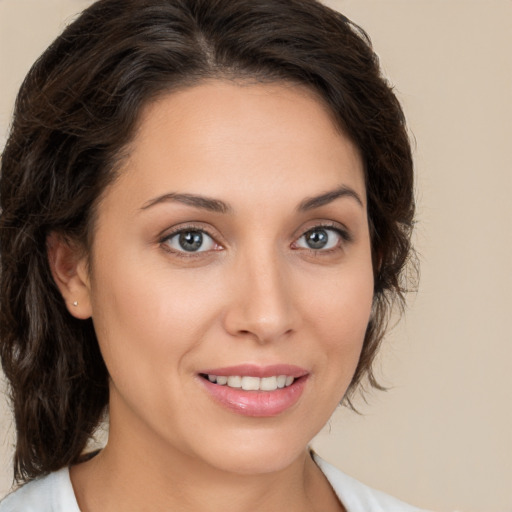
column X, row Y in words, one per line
column 170, row 232
column 335, row 226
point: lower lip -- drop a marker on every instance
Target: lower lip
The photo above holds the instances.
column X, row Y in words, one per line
column 256, row 403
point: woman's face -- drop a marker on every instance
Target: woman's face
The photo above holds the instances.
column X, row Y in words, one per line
column 234, row 245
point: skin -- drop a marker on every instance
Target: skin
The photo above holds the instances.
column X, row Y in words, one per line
column 257, row 293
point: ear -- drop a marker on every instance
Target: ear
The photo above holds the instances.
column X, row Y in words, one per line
column 69, row 267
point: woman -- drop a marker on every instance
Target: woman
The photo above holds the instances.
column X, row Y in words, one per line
column 206, row 212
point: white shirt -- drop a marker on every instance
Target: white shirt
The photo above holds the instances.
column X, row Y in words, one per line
column 54, row 493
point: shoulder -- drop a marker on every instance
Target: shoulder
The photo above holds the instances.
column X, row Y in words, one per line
column 51, row 493
column 356, row 496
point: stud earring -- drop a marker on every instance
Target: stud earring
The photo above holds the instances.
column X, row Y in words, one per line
column 75, row 303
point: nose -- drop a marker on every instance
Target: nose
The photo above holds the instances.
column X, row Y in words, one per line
column 262, row 304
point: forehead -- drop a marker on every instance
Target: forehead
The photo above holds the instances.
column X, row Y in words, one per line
column 240, row 135
column 218, row 99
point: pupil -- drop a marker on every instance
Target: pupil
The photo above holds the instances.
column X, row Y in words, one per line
column 317, row 239
column 191, row 240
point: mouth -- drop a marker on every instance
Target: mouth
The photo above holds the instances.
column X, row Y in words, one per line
column 255, row 391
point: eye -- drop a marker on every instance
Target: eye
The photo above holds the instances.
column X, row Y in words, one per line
column 190, row 240
column 320, row 238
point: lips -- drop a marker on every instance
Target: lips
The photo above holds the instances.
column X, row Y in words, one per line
column 259, row 391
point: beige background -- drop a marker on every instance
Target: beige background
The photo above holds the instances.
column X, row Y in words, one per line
column 442, row 436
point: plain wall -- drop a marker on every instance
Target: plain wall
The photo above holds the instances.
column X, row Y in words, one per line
column 441, row 437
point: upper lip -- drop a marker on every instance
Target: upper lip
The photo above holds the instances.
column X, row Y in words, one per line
column 254, row 370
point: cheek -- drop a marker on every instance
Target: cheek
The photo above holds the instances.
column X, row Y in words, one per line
column 150, row 315
column 339, row 314
column 343, row 301
column 144, row 328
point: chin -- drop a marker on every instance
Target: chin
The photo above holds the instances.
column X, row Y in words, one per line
column 257, row 452
column 261, row 463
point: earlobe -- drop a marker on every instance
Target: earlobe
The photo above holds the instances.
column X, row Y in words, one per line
column 69, row 268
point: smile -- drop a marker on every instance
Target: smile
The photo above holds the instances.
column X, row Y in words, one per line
column 252, row 390
column 249, row 383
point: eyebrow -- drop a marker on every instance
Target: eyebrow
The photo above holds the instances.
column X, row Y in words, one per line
column 202, row 202
column 218, row 206
column 328, row 197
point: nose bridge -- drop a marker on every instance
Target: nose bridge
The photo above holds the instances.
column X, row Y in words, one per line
column 262, row 305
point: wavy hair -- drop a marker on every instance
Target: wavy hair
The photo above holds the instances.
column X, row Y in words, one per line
column 78, row 109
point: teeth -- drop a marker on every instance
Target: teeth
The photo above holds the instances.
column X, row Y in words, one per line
column 268, row 383
column 221, row 380
column 281, row 381
column 248, row 383
column 234, row 381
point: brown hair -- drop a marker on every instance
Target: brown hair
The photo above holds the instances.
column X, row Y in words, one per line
column 76, row 111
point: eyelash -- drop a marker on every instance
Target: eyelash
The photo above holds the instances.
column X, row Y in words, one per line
column 345, row 238
column 344, row 235
column 164, row 241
